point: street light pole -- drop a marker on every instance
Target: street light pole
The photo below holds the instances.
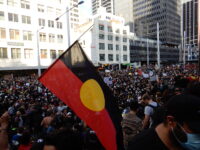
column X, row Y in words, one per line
column 158, row 45
column 38, row 51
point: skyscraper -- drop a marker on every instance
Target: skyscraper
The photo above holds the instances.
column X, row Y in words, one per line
column 190, row 28
column 166, row 12
column 190, row 21
column 108, row 4
column 124, row 8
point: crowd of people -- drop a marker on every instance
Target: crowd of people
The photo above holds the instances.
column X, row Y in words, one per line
column 36, row 119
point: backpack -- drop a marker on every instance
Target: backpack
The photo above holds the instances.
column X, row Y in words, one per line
column 158, row 115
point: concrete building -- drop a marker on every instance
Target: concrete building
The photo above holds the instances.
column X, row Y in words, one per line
column 111, row 42
column 167, row 12
column 27, row 26
column 190, row 28
column 73, row 19
column 138, row 51
column 108, row 40
column 108, row 4
column 124, row 8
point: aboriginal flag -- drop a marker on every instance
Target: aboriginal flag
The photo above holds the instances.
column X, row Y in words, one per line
column 75, row 81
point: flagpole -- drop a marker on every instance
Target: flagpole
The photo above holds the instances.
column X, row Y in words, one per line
column 38, row 51
column 158, row 46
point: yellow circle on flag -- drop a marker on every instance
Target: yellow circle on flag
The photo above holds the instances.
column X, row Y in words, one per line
column 92, row 95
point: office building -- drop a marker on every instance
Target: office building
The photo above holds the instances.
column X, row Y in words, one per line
column 108, row 40
column 190, row 28
column 167, row 13
column 111, row 42
column 124, row 8
column 108, row 4
column 29, row 26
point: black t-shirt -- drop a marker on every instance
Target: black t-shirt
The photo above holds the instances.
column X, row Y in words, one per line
column 147, row 140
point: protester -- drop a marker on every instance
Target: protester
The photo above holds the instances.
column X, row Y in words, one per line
column 131, row 124
column 148, row 111
column 31, row 107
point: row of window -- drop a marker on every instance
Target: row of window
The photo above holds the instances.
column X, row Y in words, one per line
column 27, row 36
column 28, row 53
column 27, row 20
column 52, row 38
column 25, row 4
column 109, row 28
column 110, row 47
column 110, row 38
column 111, row 57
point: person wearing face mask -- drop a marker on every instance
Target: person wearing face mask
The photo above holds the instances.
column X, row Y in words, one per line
column 180, row 129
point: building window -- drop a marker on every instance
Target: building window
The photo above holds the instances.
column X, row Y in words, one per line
column 51, row 38
column 124, row 47
column 50, row 10
column 101, row 27
column 110, row 47
column 117, row 38
column 41, row 22
column 51, row 24
column 102, row 57
column 42, row 37
column 125, row 57
column 109, row 29
column 1, row 2
column 101, row 46
column 14, row 34
column 26, row 19
column 117, row 31
column 59, row 25
column 28, row 53
column 60, row 38
column 1, row 15
column 12, row 17
column 58, row 12
column 27, row 35
column 110, row 37
column 117, row 47
column 110, row 57
column 117, row 57
column 3, row 52
column 60, row 52
column 53, row 54
column 41, row 8
column 2, row 33
column 43, row 53
column 101, row 36
column 12, row 3
column 25, row 4
column 124, row 32
column 15, row 53
column 124, row 39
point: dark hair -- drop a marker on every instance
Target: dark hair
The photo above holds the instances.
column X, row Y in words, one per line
column 146, row 97
column 64, row 139
column 134, row 105
column 193, row 88
column 26, row 137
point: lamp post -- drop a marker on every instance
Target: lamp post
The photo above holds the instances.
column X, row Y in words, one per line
column 38, row 51
column 68, row 24
column 158, row 46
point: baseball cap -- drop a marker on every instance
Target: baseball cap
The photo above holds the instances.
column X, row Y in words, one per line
column 185, row 108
